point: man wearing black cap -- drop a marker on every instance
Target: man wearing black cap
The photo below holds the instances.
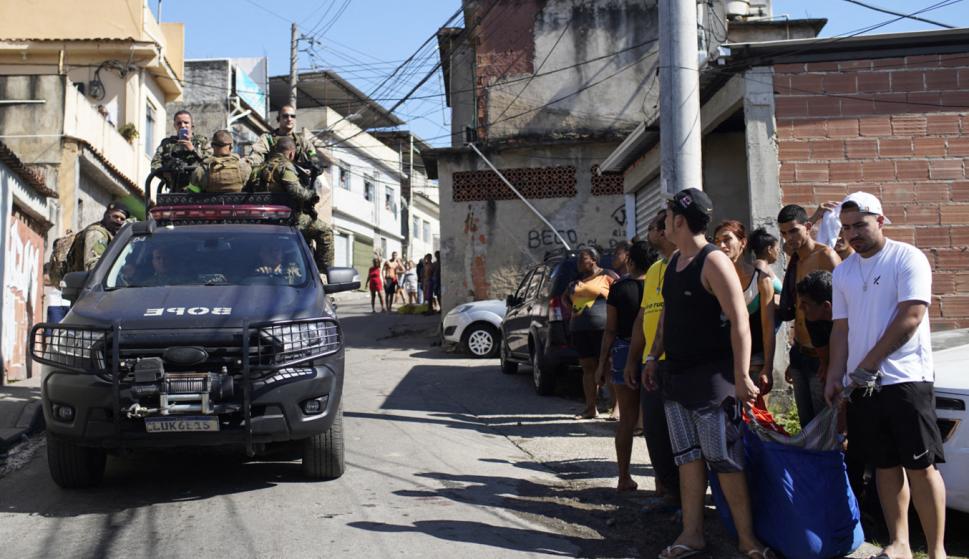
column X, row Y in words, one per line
column 91, row 243
column 705, row 335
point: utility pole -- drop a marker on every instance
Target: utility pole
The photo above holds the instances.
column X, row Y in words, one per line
column 410, row 193
column 679, row 109
column 293, row 62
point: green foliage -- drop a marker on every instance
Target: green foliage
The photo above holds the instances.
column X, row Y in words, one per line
column 786, row 418
column 128, row 131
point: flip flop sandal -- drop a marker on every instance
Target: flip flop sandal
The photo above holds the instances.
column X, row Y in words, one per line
column 679, row 551
column 765, row 553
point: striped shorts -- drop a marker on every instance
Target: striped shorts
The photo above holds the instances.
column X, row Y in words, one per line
column 712, row 434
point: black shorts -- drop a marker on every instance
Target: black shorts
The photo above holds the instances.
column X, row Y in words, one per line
column 390, row 286
column 587, row 343
column 896, row 426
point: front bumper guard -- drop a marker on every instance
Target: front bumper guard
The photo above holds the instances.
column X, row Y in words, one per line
column 266, row 347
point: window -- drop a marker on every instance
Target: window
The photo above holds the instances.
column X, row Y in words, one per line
column 415, row 231
column 149, row 129
column 390, row 204
column 369, row 191
column 383, row 247
column 427, row 232
column 344, row 177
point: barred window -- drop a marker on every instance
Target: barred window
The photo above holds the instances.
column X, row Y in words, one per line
column 538, row 182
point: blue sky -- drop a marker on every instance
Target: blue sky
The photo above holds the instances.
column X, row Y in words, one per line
column 370, row 37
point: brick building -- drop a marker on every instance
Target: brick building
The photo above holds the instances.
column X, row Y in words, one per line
column 811, row 120
column 895, row 126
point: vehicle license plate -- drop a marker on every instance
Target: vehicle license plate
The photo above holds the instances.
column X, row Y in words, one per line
column 182, row 424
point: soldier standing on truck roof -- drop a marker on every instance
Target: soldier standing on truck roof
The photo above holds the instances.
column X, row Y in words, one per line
column 223, row 171
column 89, row 245
column 278, row 174
column 181, row 153
column 307, row 156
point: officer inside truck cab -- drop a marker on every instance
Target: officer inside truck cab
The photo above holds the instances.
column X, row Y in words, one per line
column 270, row 263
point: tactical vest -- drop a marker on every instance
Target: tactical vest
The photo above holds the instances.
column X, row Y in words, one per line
column 75, row 256
column 223, row 174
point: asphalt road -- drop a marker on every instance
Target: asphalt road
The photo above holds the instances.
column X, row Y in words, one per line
column 446, row 457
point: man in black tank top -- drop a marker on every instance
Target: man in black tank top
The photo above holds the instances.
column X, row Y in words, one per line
column 705, row 335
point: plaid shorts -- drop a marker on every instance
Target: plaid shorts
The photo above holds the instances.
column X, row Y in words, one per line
column 712, row 434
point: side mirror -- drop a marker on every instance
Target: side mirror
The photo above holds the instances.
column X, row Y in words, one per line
column 511, row 301
column 73, row 283
column 341, row 279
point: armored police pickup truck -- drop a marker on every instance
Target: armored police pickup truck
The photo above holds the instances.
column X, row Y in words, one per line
column 207, row 324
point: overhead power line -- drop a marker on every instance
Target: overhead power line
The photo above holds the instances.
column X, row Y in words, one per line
column 908, row 16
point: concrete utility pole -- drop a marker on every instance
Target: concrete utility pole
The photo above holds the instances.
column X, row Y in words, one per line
column 679, row 108
column 293, row 62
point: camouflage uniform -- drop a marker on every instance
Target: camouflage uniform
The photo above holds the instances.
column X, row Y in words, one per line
column 307, row 154
column 94, row 241
column 223, row 168
column 278, row 174
column 170, row 149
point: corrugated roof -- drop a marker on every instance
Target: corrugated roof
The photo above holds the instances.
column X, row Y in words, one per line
column 33, row 177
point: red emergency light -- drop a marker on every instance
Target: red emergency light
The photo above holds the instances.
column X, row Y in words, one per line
column 224, row 213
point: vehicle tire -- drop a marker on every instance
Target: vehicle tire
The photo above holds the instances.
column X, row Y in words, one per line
column 481, row 340
column 543, row 376
column 72, row 466
column 323, row 455
column 507, row 367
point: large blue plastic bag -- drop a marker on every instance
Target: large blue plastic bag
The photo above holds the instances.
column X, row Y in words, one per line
column 802, row 504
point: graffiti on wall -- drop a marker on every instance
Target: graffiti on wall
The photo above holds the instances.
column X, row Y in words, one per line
column 546, row 238
column 22, row 291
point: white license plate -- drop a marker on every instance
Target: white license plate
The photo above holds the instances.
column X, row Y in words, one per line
column 182, row 424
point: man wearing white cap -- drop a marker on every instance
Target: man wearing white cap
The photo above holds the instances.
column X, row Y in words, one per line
column 880, row 350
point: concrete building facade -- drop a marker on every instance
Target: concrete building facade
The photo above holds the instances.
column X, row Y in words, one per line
column 226, row 94
column 86, row 94
column 547, row 89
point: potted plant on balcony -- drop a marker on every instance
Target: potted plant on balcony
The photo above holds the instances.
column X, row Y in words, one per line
column 129, row 132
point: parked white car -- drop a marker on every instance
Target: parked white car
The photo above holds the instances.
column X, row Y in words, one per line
column 951, row 354
column 476, row 327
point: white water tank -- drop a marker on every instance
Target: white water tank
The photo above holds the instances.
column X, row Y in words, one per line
column 737, row 9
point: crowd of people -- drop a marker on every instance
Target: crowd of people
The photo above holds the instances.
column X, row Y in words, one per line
column 682, row 330
column 394, row 280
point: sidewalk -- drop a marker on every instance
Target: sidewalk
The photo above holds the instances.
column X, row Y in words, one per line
column 20, row 411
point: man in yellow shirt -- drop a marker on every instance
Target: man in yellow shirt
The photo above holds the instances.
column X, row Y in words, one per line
column 644, row 332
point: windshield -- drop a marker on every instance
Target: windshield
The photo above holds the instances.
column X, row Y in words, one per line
column 170, row 258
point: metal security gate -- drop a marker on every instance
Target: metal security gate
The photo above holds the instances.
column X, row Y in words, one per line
column 341, row 250
column 362, row 257
column 648, row 201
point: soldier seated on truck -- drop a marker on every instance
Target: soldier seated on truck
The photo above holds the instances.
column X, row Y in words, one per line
column 223, row 171
column 178, row 155
column 277, row 174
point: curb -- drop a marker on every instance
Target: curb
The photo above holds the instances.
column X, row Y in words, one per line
column 31, row 421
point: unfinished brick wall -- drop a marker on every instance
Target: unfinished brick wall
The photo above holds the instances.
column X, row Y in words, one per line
column 895, row 127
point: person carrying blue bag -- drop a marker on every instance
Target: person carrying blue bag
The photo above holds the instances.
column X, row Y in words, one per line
column 881, row 353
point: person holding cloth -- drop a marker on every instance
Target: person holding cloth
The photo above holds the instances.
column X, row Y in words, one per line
column 705, row 333
column 882, row 351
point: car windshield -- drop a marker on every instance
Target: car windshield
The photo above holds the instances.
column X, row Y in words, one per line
column 171, row 258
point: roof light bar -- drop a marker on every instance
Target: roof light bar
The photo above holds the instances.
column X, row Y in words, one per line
column 230, row 212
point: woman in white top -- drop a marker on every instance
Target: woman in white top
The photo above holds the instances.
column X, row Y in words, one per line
column 409, row 282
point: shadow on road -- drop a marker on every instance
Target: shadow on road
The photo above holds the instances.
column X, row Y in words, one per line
column 179, row 476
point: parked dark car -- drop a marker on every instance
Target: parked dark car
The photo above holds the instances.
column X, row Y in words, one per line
column 535, row 331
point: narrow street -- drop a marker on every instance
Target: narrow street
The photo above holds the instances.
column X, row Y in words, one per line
column 446, row 457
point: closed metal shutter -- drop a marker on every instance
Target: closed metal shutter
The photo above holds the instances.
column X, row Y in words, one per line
column 648, row 202
column 341, row 250
column 362, row 257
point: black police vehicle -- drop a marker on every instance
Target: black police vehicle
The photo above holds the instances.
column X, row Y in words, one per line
column 206, row 325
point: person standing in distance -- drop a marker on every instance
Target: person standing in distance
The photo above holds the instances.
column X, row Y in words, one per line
column 705, row 333
column 183, row 149
column 880, row 335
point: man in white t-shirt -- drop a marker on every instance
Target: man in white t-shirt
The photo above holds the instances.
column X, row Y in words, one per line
column 880, row 301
